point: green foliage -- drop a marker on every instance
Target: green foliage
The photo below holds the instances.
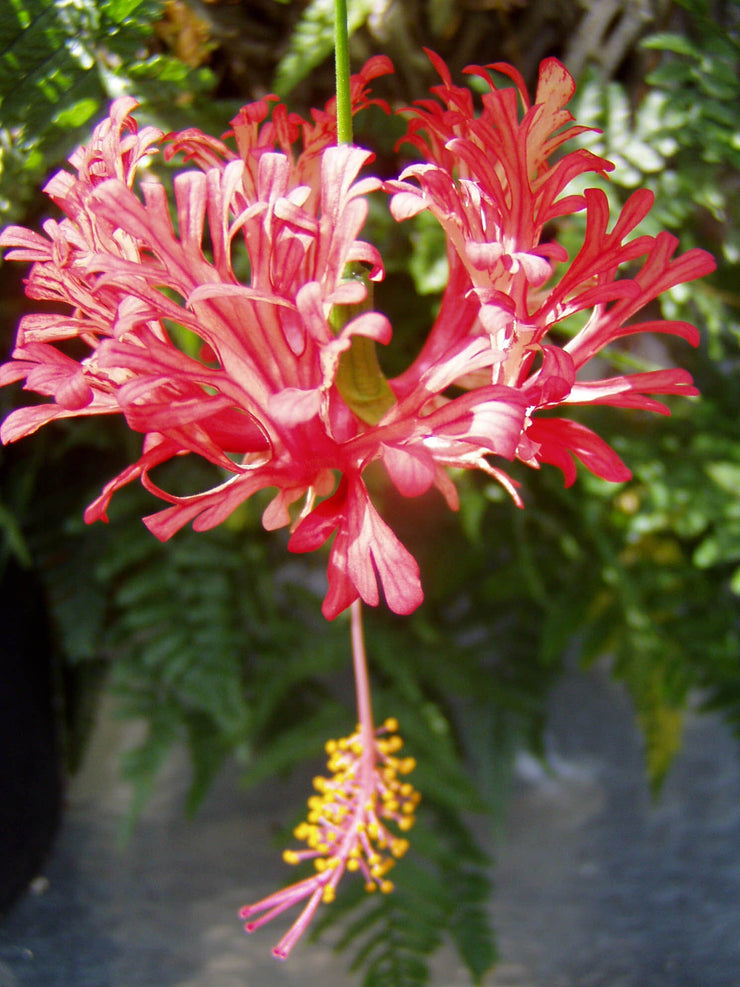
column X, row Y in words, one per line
column 60, row 62
column 682, row 140
column 312, row 40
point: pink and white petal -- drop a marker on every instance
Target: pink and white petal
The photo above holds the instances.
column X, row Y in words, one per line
column 397, row 568
column 411, row 468
column 293, row 406
column 206, row 510
column 277, row 514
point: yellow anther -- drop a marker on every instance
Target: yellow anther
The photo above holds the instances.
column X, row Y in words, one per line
column 290, row 857
column 405, row 823
column 353, row 864
column 370, row 886
column 320, row 864
column 328, row 894
column 330, row 746
column 320, row 783
column 388, row 745
column 391, row 724
column 386, row 887
column 406, row 765
column 399, row 847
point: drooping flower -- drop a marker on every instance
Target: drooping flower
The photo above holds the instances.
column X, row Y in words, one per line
column 283, row 389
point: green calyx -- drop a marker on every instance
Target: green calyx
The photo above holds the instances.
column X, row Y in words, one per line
column 360, row 380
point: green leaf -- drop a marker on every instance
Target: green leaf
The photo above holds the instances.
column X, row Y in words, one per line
column 669, row 41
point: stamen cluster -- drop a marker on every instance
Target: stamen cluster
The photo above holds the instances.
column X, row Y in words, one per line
column 345, row 827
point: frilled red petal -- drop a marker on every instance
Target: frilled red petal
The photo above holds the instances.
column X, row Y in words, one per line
column 560, row 440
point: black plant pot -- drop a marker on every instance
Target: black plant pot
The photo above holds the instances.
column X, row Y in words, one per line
column 30, row 755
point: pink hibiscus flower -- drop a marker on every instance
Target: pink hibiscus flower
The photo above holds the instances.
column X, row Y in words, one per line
column 283, row 389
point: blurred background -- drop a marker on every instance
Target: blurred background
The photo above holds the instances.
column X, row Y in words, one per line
column 213, row 643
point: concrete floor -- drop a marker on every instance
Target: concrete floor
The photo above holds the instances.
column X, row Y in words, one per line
column 596, row 886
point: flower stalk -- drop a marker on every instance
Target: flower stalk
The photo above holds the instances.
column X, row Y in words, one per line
column 341, row 62
column 364, row 703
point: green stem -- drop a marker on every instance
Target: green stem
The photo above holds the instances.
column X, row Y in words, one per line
column 341, row 57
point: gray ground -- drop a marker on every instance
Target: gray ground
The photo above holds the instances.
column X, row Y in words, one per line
column 596, row 887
